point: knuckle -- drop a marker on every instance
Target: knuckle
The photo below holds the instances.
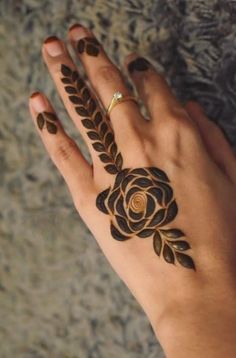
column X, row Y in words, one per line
column 64, row 150
column 107, row 74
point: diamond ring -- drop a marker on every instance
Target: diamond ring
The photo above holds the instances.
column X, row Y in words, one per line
column 117, row 98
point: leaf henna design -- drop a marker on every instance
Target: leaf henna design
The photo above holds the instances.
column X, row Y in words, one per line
column 94, row 121
column 139, row 64
column 141, row 203
column 49, row 120
column 89, row 45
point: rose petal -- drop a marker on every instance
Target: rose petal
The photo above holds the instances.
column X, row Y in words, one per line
column 171, row 213
column 112, row 198
column 120, row 176
column 140, row 171
column 150, row 206
column 126, row 181
column 143, row 182
column 130, row 192
column 100, row 201
column 146, row 233
column 119, row 207
column 122, row 223
column 157, row 193
column 157, row 218
column 135, row 216
column 137, row 226
column 168, row 192
column 116, row 234
column 158, row 173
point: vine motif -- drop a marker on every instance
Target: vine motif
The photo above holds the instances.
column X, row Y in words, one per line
column 98, row 129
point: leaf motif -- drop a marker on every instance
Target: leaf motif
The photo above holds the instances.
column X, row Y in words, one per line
column 172, row 211
column 80, row 84
column 82, row 111
column 180, row 245
column 93, row 135
column 98, row 118
column 119, row 161
column 87, row 123
column 116, row 234
column 113, row 150
column 158, row 173
column 66, row 80
column 93, row 40
column 40, row 121
column 92, row 50
column 157, row 243
column 81, row 46
column 168, row 254
column 92, row 106
column 70, row 90
column 99, row 147
column 100, row 200
column 110, row 168
column 105, row 158
column 172, row 233
column 66, row 71
column 185, row 260
column 51, row 116
column 51, row 127
column 109, row 139
column 75, row 99
column 103, row 129
column 86, row 95
column 75, row 76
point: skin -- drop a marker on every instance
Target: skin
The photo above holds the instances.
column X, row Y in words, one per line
column 193, row 312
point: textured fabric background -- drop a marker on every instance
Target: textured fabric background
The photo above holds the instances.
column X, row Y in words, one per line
column 58, row 296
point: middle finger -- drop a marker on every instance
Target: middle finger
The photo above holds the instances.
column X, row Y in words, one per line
column 106, row 79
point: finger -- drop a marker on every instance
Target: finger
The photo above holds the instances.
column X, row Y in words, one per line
column 62, row 149
column 152, row 88
column 106, row 79
column 214, row 139
column 82, row 107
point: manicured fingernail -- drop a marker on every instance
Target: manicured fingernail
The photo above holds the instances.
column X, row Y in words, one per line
column 38, row 102
column 77, row 32
column 53, row 46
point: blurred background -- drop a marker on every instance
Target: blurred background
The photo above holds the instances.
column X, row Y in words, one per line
column 58, row 295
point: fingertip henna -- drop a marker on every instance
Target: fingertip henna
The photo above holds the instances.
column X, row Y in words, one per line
column 48, row 120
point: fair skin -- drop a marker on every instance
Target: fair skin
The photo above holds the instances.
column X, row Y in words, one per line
column 193, row 312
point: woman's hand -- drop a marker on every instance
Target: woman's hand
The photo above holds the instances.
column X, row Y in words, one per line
column 159, row 197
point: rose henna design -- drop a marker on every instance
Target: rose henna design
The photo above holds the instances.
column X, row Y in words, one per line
column 141, row 201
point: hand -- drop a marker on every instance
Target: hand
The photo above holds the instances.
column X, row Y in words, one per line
column 159, row 197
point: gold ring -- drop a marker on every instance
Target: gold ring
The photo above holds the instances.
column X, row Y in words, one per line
column 118, row 98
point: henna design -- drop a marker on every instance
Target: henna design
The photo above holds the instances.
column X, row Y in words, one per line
column 95, row 122
column 90, row 45
column 48, row 119
column 139, row 64
column 141, row 201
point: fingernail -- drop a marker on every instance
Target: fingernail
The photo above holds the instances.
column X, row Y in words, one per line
column 77, row 32
column 38, row 102
column 53, row 46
